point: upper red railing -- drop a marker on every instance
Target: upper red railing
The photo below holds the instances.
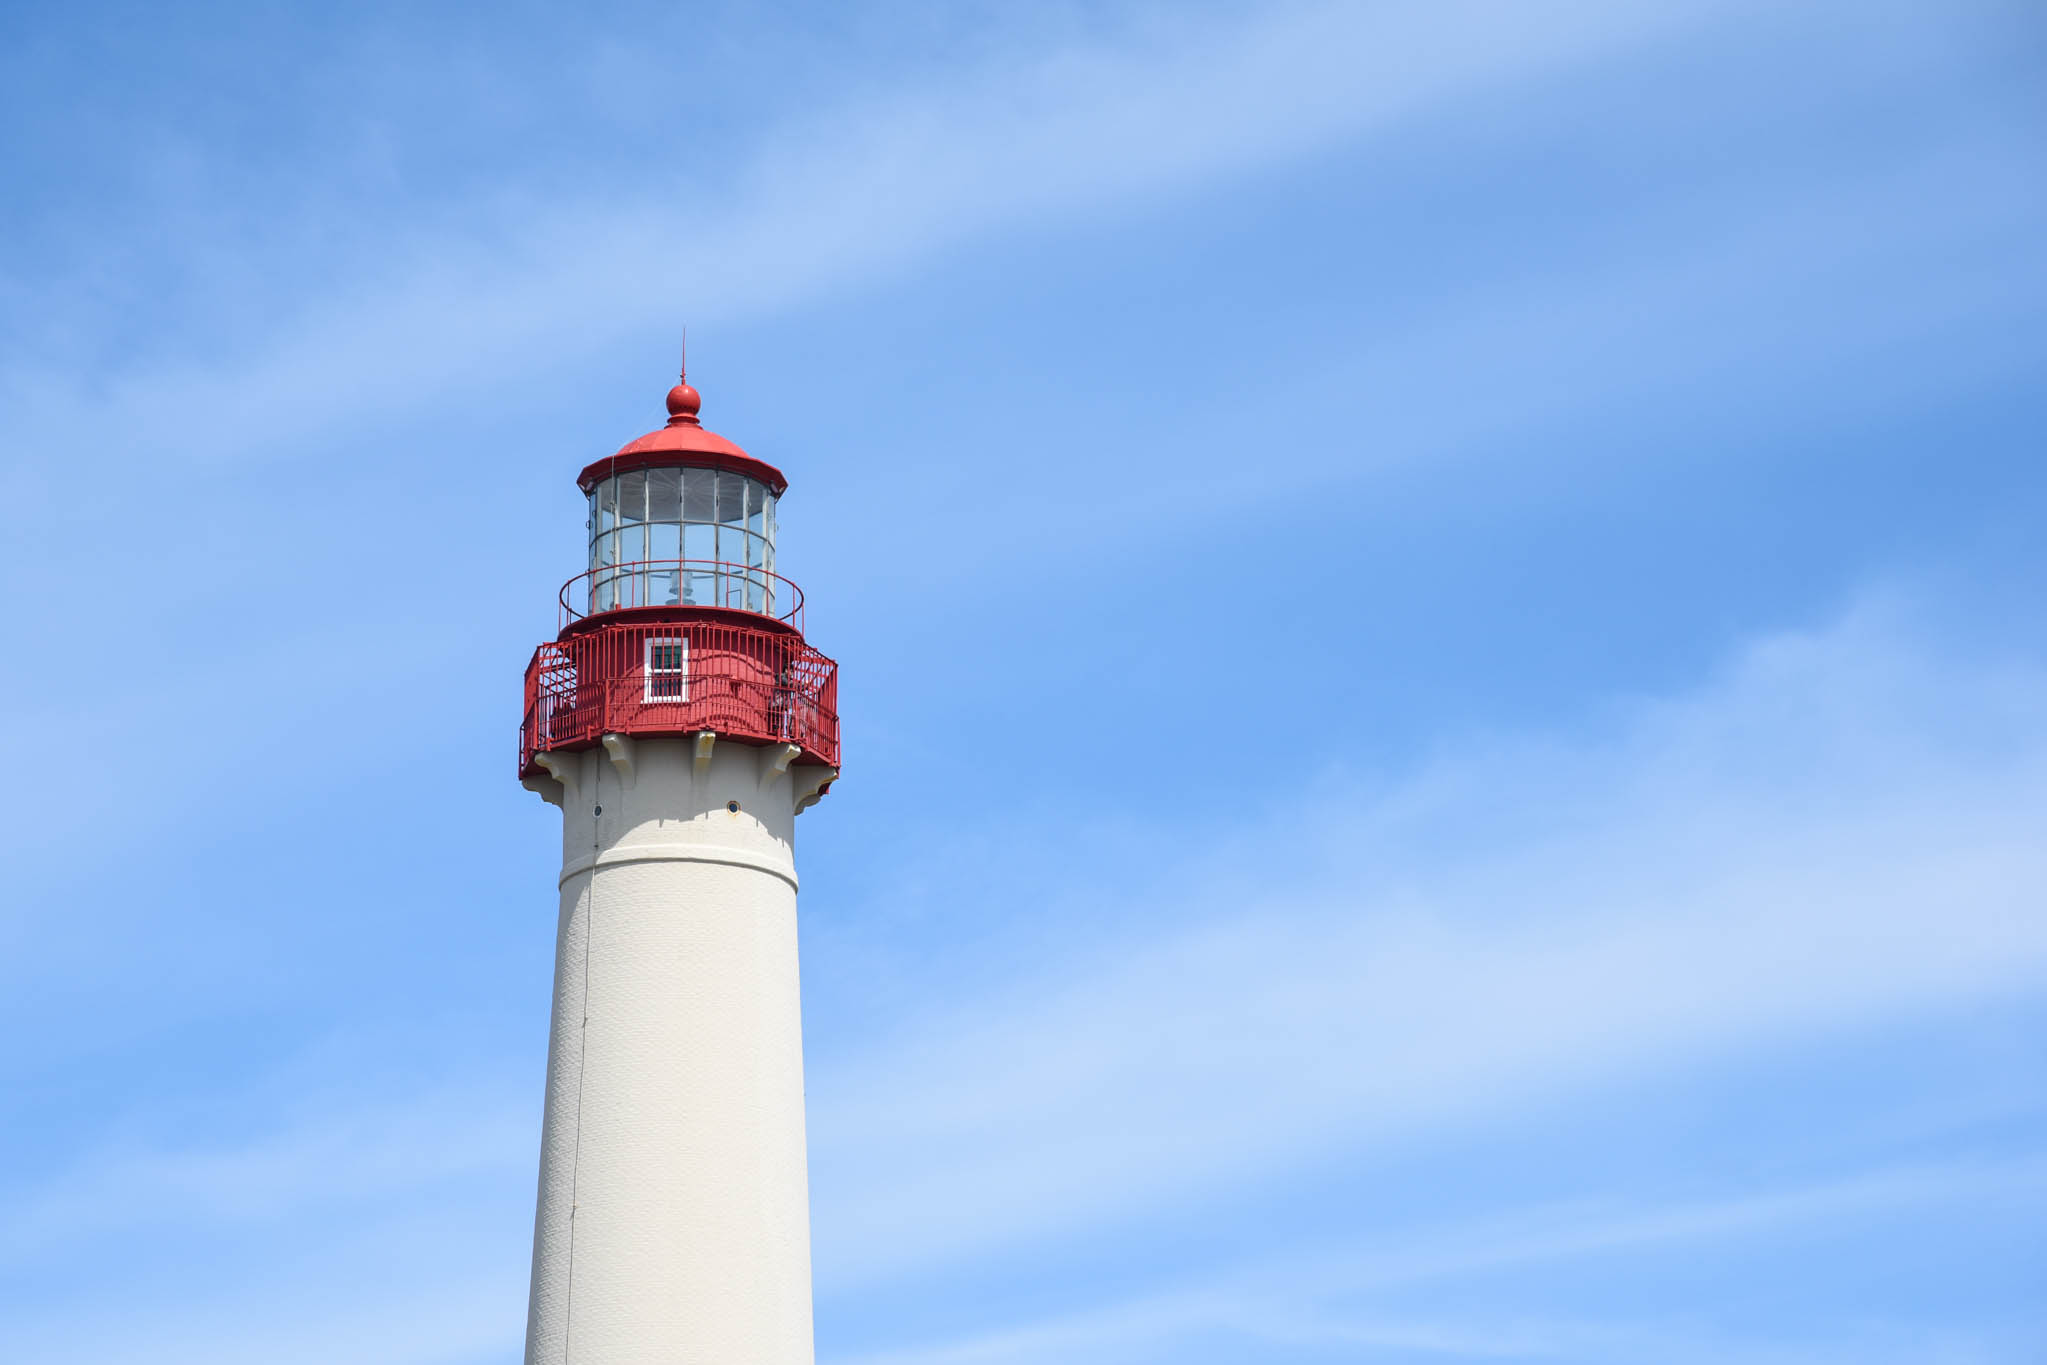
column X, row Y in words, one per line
column 681, row 583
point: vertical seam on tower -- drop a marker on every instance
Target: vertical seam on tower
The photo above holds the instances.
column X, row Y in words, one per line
column 583, row 1048
column 583, row 1029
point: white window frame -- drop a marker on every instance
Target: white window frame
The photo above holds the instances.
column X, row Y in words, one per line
column 650, row 672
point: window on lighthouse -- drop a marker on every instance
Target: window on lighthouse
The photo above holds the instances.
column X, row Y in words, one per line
column 689, row 537
column 667, row 670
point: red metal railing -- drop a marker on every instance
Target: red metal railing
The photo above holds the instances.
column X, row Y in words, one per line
column 755, row 683
column 681, row 583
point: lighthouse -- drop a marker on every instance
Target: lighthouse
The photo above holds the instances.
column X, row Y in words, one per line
column 681, row 721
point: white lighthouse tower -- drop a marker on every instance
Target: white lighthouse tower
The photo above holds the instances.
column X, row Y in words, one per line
column 681, row 722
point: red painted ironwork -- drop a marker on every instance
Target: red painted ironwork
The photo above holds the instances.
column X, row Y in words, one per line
column 759, row 684
column 683, row 441
column 679, row 646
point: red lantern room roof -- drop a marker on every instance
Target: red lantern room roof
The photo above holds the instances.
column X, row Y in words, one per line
column 683, row 442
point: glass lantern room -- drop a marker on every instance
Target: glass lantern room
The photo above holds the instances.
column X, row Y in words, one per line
column 683, row 537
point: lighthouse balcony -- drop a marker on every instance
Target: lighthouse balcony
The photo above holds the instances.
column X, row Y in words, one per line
column 641, row 670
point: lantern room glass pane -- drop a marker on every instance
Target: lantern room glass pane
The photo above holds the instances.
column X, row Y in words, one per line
column 632, row 543
column 732, row 497
column 664, row 495
column 700, row 495
column 756, row 581
column 698, row 546
column 664, row 586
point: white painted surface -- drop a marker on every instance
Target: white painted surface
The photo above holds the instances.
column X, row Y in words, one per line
column 673, row 1222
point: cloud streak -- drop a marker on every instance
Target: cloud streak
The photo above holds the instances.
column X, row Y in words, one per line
column 324, row 1162
column 860, row 192
column 1839, row 831
column 1303, row 1301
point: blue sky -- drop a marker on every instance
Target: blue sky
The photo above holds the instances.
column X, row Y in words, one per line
column 1445, row 700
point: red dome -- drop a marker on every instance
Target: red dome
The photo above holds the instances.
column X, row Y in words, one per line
column 684, row 442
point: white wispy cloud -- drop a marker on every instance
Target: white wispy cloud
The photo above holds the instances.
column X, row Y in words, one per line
column 841, row 196
column 337, row 1311
column 347, row 1230
column 1839, row 831
column 309, row 1167
column 1293, row 1301
column 1589, row 336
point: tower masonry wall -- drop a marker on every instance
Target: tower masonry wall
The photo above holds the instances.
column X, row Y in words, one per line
column 673, row 1219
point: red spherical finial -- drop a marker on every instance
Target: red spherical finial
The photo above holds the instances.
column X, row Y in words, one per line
column 683, row 402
